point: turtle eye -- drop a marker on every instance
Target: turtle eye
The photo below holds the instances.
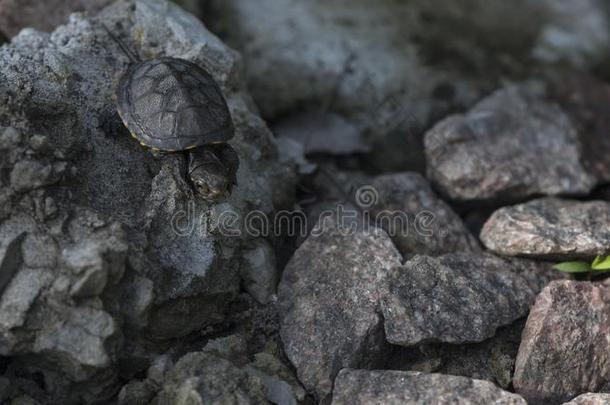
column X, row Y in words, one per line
column 202, row 188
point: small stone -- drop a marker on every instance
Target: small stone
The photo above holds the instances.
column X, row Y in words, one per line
column 510, row 146
column 291, row 151
column 381, row 387
column 79, row 338
column 136, row 296
column 9, row 138
column 233, row 347
column 415, row 218
column 137, row 393
column 50, row 207
column 590, row 399
column 329, row 303
column 259, row 271
column 564, row 347
column 205, row 378
column 10, row 256
column 88, row 266
column 281, row 386
column 30, row 174
column 456, row 298
column 550, row 228
column 39, row 142
column 20, row 295
column 159, row 368
column 39, row 251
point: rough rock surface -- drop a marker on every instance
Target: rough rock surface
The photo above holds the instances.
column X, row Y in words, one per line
column 550, row 228
column 364, row 387
column 590, row 399
column 510, row 146
column 223, row 373
column 106, row 253
column 205, row 378
column 328, row 303
column 415, row 218
column 457, row 298
column 43, row 15
column 564, row 349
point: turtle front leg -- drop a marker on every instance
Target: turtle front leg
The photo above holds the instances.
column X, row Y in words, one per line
column 212, row 170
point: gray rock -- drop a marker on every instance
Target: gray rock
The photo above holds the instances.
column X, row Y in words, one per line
column 205, row 378
column 10, row 256
column 564, row 350
column 329, row 303
column 9, row 138
column 457, row 298
column 550, row 228
column 259, row 271
column 360, row 387
column 568, row 25
column 292, row 152
column 232, row 347
column 510, row 146
column 137, row 393
column 415, row 218
column 590, row 399
column 116, row 257
column 30, row 174
column 281, row 386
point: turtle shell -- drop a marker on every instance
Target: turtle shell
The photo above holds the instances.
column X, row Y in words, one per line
column 172, row 104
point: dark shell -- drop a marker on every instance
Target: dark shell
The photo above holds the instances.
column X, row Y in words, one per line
column 172, row 104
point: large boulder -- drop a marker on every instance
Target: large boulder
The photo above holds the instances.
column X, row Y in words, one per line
column 106, row 253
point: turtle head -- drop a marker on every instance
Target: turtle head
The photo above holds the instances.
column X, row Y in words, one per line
column 212, row 171
column 211, row 182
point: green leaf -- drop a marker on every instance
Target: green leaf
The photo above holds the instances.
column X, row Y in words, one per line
column 601, row 263
column 573, row 267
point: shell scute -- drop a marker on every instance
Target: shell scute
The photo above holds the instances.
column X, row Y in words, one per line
column 172, row 104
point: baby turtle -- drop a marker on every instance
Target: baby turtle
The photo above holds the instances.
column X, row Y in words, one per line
column 173, row 105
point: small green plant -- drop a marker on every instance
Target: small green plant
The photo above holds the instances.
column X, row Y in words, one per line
column 601, row 264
